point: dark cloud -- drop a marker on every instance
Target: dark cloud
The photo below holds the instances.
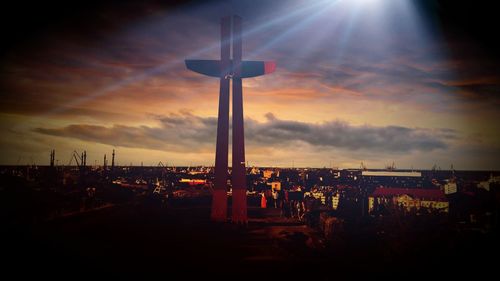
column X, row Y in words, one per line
column 338, row 134
column 481, row 91
column 177, row 132
column 187, row 132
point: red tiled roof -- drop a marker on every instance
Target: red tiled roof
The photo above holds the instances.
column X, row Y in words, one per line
column 436, row 194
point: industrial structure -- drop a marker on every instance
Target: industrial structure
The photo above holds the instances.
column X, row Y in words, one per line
column 227, row 69
column 52, row 157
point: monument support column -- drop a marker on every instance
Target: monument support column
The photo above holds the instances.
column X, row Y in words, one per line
column 238, row 170
column 219, row 196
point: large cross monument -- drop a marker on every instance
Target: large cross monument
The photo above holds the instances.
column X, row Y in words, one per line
column 227, row 69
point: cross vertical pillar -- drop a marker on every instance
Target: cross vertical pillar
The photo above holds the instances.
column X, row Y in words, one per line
column 219, row 198
column 238, row 170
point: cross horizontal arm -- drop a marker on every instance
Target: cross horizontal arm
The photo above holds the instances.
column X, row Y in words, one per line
column 248, row 68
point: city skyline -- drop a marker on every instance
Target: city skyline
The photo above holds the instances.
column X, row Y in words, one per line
column 412, row 89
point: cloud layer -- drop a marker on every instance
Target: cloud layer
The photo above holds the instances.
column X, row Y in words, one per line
column 187, row 132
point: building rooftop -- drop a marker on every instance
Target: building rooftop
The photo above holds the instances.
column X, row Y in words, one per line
column 435, row 194
column 391, row 174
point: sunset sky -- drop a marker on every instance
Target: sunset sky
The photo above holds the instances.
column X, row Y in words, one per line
column 372, row 81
